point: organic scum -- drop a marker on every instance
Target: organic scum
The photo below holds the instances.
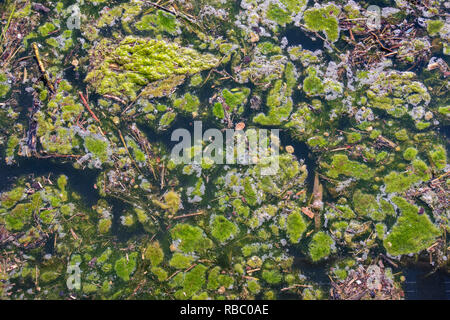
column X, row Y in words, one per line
column 93, row 207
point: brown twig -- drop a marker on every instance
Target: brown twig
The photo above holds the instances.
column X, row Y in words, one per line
column 86, row 105
column 189, row 215
column 42, row 68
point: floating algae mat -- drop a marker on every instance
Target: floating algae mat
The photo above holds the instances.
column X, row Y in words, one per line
column 217, row 149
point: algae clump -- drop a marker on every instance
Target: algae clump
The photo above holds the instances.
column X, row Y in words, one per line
column 296, row 226
column 136, row 62
column 320, row 246
column 412, row 232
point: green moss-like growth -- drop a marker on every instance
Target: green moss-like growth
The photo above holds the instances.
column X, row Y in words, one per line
column 341, row 274
column 222, row 229
column 343, row 212
column 138, row 62
column 171, row 202
column 342, row 165
column 192, row 238
column 98, row 147
column 399, row 182
column 279, row 99
column 194, row 280
column 216, row 280
column 272, row 276
column 154, row 253
column 160, row 273
column 434, row 26
column 410, row 154
column 253, row 286
column 235, row 98
column 324, row 19
column 46, row 28
column 181, row 261
column 296, row 226
column 9, row 199
column 391, row 90
column 166, row 119
column 138, row 154
column 353, row 137
column 364, row 204
column 188, row 103
column 19, row 216
column 124, row 268
column 401, row 135
column 421, row 170
column 283, row 11
column 367, row 205
column 412, row 232
column 49, row 276
column 161, row 21
column 321, row 246
column 380, row 228
column 445, row 111
column 312, row 85
column 62, row 182
column 196, row 80
column 439, row 157
column 280, row 16
column 4, row 86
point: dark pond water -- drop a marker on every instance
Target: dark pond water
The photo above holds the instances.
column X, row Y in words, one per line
column 421, row 285
column 296, row 36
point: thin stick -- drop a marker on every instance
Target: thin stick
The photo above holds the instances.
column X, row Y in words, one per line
column 189, row 215
column 83, row 99
column 128, row 152
column 42, row 68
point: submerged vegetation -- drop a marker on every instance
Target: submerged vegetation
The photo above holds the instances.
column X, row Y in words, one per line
column 91, row 90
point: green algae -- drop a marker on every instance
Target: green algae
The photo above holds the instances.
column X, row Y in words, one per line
column 279, row 99
column 398, row 182
column 142, row 61
column 4, row 86
column 296, row 226
column 125, row 266
column 181, row 261
column 9, row 199
column 439, row 157
column 191, row 237
column 324, row 19
column 171, row 202
column 160, row 273
column 434, row 26
column 272, row 276
column 312, row 85
column 187, row 103
column 194, row 280
column 45, row 29
column 161, row 21
column 341, row 165
column 222, row 229
column 220, row 232
column 410, row 153
column 412, row 232
column 320, row 246
column 98, row 147
column 154, row 253
column 278, row 15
